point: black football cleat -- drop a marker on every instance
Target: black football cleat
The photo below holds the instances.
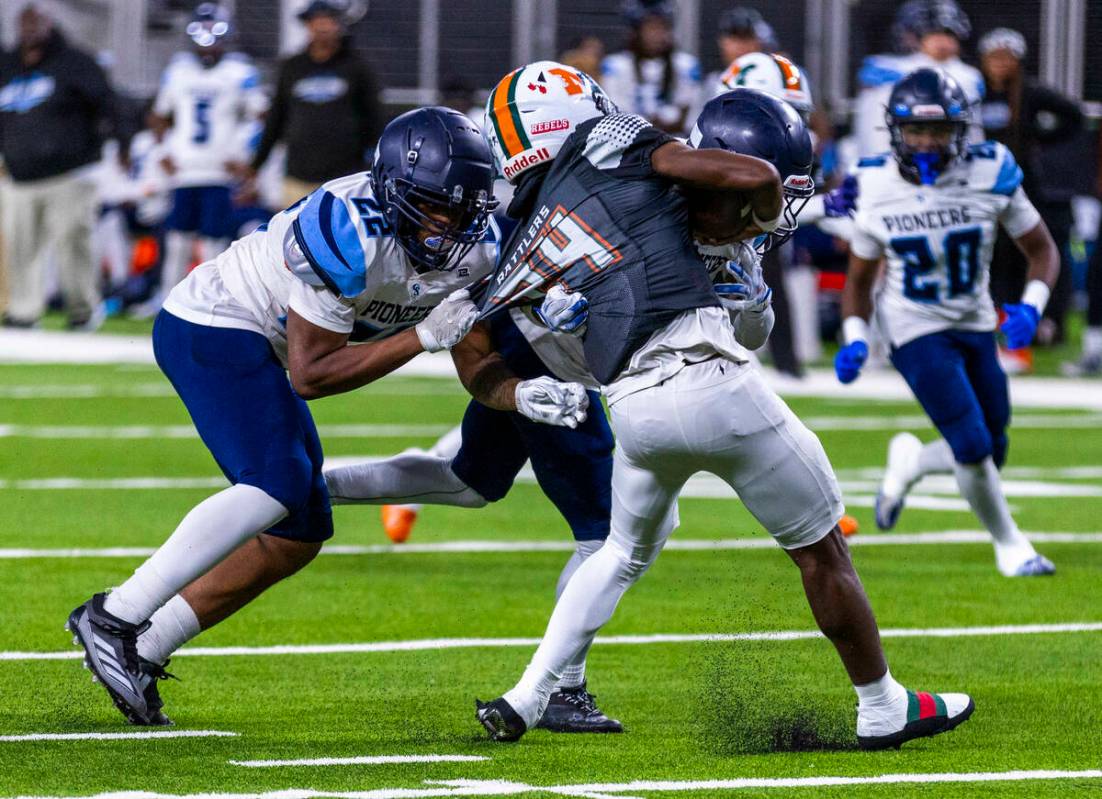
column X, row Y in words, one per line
column 575, row 710
column 500, row 720
column 111, row 654
column 927, row 714
column 149, row 674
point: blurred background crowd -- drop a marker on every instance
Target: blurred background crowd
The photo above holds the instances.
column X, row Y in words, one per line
column 119, row 173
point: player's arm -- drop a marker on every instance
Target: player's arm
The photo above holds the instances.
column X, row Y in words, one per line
column 856, row 311
column 1044, row 267
column 321, row 363
column 720, row 170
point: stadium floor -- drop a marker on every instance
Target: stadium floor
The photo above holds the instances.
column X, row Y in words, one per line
column 366, row 665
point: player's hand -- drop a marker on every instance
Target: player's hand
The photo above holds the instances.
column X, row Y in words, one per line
column 849, row 360
column 547, row 400
column 448, row 323
column 168, row 165
column 564, row 312
column 842, row 201
column 748, row 290
column 1020, row 325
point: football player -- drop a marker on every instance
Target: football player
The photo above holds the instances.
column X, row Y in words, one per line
column 206, row 96
column 682, row 395
column 932, row 208
column 381, row 257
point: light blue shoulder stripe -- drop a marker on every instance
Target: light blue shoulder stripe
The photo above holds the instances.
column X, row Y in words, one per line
column 1010, row 176
column 328, row 237
column 876, row 74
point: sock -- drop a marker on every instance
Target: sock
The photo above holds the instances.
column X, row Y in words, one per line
column 212, row 530
column 936, row 458
column 208, row 249
column 884, row 691
column 980, row 485
column 573, row 674
column 1092, row 342
column 416, row 476
column 173, row 625
column 448, row 444
column 176, row 260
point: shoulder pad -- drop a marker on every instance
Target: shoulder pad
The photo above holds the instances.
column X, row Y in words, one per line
column 327, row 236
column 993, row 168
column 878, row 71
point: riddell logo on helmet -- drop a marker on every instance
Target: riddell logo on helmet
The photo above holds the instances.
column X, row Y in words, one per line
column 525, row 160
column 798, row 182
column 550, row 126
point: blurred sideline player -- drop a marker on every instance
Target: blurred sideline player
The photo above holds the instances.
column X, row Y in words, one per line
column 933, row 210
column 659, row 338
column 380, row 257
column 206, row 95
column 930, row 33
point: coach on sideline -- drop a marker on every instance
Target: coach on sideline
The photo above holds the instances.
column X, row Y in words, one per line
column 326, row 106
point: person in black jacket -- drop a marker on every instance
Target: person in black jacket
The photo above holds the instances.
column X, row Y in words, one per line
column 1033, row 121
column 55, row 105
column 326, row 106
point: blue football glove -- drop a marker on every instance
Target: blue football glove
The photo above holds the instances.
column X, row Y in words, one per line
column 564, row 312
column 842, row 201
column 748, row 290
column 1020, row 325
column 849, row 360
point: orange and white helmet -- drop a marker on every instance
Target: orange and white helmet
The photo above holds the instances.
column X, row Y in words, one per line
column 773, row 74
column 532, row 111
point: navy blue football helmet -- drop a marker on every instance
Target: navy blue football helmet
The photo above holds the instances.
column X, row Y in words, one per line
column 751, row 122
column 920, row 17
column 432, row 162
column 923, row 97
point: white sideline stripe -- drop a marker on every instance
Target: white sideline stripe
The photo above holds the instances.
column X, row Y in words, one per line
column 188, row 431
column 397, row 387
column 444, row 788
column 433, row 644
column 117, row 736
column 684, row 544
column 363, row 760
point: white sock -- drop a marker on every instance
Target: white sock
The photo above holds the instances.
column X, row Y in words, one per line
column 447, row 446
column 573, row 674
column 176, row 261
column 936, row 458
column 586, row 604
column 885, row 691
column 173, row 625
column 208, row 249
column 1092, row 341
column 980, row 485
column 212, row 530
column 416, row 476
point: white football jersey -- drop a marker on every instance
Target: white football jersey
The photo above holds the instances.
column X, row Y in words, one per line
column 938, row 239
column 333, row 258
column 208, row 105
column 641, row 92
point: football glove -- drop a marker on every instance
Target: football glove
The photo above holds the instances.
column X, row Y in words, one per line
column 842, row 201
column 1020, row 325
column 550, row 401
column 748, row 291
column 564, row 312
column 448, row 322
column 849, row 360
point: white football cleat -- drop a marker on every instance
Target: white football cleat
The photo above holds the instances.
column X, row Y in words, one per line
column 914, row 714
column 1022, row 561
column 899, row 476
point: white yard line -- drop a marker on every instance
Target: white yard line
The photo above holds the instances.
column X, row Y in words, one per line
column 71, row 391
column 188, row 431
column 683, row 544
column 439, row 644
column 117, row 736
column 445, row 788
column 363, row 760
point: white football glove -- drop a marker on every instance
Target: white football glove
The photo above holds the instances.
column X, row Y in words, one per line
column 547, row 400
column 448, row 322
column 564, row 312
column 748, row 291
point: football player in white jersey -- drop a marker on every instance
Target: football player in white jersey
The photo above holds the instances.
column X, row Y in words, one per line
column 206, row 96
column 380, row 257
column 932, row 209
column 682, row 395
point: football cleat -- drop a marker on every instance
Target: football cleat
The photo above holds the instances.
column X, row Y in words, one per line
column 900, row 474
column 149, row 673
column 575, row 710
column 500, row 720
column 398, row 521
column 111, row 654
column 1037, row 566
column 848, row 526
column 926, row 715
column 1087, row 366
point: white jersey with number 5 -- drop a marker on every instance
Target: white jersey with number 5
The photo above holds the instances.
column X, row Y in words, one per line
column 938, row 239
column 207, row 105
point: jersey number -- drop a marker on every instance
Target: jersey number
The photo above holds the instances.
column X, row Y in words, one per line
column 372, row 215
column 568, row 240
column 962, row 260
column 202, row 122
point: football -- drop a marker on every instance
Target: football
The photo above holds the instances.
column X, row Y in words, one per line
column 718, row 217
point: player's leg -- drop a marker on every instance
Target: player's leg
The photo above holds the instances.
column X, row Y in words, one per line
column 1090, row 360
column 783, row 476
column 69, row 218
column 650, row 465
column 574, row 469
column 23, row 215
column 398, row 520
column 247, row 415
column 216, row 221
column 180, row 229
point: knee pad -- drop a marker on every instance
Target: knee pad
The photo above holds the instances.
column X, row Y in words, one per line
column 634, row 558
column 969, row 439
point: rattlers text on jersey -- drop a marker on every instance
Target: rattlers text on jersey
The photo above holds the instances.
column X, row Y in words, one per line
column 207, row 106
column 333, row 259
column 938, row 239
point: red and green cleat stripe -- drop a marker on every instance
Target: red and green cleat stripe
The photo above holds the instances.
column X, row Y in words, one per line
column 922, row 705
